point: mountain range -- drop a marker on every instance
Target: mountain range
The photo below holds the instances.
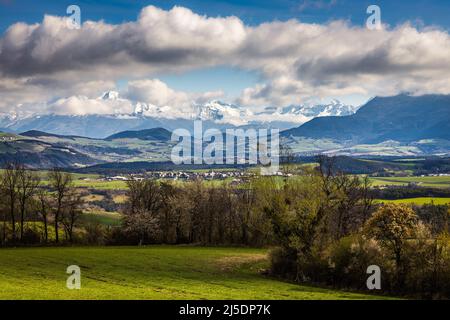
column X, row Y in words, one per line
column 401, row 126
column 214, row 114
column 402, row 118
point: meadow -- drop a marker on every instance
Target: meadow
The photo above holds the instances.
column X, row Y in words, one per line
column 153, row 272
column 94, row 182
column 101, row 217
column 434, row 182
column 418, row 201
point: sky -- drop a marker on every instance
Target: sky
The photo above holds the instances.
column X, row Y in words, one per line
column 251, row 53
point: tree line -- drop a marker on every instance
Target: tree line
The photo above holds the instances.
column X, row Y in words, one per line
column 56, row 205
column 195, row 213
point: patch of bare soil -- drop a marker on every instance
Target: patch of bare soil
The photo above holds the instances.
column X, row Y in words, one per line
column 230, row 263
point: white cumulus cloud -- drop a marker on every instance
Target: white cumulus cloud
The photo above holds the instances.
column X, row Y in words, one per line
column 297, row 61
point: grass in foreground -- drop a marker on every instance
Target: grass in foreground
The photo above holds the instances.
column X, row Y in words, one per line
column 156, row 272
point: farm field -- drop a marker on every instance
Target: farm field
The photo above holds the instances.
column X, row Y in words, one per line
column 100, row 184
column 122, row 185
column 419, row 201
column 154, row 272
column 94, row 181
column 436, row 182
column 104, row 218
column 82, row 180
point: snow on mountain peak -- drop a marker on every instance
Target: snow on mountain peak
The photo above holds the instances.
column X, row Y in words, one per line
column 110, row 103
column 302, row 113
column 110, row 95
column 334, row 108
column 221, row 112
column 214, row 111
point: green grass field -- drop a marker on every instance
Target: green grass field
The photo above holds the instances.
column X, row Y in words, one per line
column 156, row 272
column 418, row 201
column 104, row 218
column 435, row 182
column 100, row 185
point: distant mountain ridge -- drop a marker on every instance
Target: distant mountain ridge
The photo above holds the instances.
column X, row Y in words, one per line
column 160, row 134
column 401, row 118
column 391, row 126
column 401, row 125
column 37, row 133
column 214, row 114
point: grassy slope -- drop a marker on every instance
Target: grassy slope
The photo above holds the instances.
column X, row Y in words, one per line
column 158, row 272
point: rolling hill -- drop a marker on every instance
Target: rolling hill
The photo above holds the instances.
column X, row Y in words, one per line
column 38, row 149
column 40, row 154
column 160, row 134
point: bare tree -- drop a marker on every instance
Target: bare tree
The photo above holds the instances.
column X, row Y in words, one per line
column 4, row 212
column 367, row 198
column 348, row 199
column 28, row 181
column 72, row 212
column 287, row 159
column 143, row 208
column 9, row 185
column 246, row 202
column 43, row 209
column 61, row 183
column 167, row 217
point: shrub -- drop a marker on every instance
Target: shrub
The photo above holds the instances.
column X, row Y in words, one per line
column 394, row 226
column 283, row 263
column 350, row 257
column 429, row 267
column 95, row 233
column 314, row 267
column 31, row 236
column 120, row 236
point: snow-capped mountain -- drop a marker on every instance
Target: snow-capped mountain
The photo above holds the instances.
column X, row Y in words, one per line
column 226, row 113
column 284, row 117
column 110, row 95
column 110, row 113
column 334, row 108
column 214, row 111
column 220, row 112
